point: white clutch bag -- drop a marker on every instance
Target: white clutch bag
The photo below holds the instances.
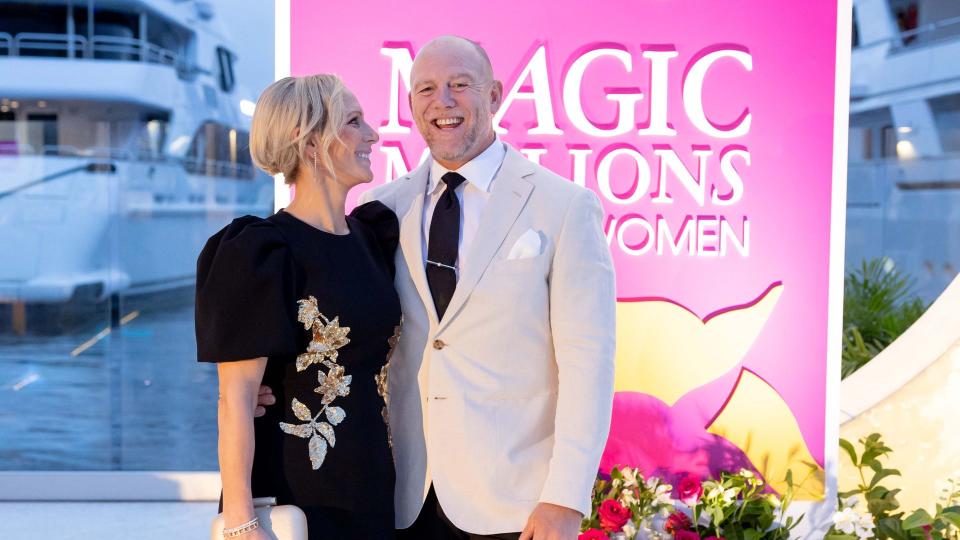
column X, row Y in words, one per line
column 284, row 522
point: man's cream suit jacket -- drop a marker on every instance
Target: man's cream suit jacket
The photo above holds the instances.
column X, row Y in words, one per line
column 506, row 401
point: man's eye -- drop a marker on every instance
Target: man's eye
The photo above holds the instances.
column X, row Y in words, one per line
column 425, row 90
column 355, row 121
column 459, row 86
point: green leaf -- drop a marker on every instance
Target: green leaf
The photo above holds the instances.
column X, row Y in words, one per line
column 917, row 519
column 951, row 516
column 839, row 536
column 881, row 474
column 851, row 451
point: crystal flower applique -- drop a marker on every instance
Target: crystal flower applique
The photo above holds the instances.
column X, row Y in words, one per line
column 333, row 384
column 328, row 336
column 320, row 433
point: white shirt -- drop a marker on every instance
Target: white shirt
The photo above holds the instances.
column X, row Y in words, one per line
column 473, row 195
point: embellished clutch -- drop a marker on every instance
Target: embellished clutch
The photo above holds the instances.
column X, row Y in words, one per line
column 284, row 522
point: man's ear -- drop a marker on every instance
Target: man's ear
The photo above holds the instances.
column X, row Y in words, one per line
column 496, row 96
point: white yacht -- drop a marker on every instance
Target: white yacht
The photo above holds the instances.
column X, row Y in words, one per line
column 123, row 146
column 903, row 195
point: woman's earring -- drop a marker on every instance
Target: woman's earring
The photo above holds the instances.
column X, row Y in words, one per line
column 314, row 162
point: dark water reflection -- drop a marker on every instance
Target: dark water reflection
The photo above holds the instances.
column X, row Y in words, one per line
column 134, row 399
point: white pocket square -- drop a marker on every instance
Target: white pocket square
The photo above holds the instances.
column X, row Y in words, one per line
column 528, row 245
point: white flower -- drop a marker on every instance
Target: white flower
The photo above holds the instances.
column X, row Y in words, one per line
column 851, row 502
column 652, row 482
column 627, row 498
column 630, row 477
column 630, row 530
column 661, row 496
column 864, row 526
column 845, row 520
column 746, row 473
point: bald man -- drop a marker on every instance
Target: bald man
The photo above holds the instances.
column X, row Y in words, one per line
column 501, row 386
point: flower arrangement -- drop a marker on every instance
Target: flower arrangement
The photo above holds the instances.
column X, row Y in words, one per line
column 735, row 506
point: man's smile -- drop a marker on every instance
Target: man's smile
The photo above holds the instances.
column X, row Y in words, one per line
column 447, row 123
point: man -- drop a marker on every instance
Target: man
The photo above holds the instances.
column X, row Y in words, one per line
column 501, row 386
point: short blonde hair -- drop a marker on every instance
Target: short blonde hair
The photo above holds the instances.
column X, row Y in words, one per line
column 288, row 113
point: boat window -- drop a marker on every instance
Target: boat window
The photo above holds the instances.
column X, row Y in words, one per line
column 8, row 135
column 855, row 31
column 153, row 135
column 888, row 142
column 219, row 150
column 225, row 60
column 906, row 12
column 860, row 144
column 42, row 131
column 946, row 116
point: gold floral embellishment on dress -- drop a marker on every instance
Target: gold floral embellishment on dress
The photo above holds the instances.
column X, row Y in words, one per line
column 333, row 384
column 320, row 433
column 328, row 336
column 382, row 380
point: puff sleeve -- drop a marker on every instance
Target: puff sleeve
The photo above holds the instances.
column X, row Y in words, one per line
column 245, row 306
column 382, row 223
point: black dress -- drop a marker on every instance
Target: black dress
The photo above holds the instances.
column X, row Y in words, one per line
column 323, row 309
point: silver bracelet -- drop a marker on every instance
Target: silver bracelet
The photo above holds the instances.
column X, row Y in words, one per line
column 251, row 525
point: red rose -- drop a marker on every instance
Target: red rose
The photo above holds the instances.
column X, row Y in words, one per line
column 689, row 490
column 686, row 535
column 613, row 516
column 593, row 534
column 678, row 521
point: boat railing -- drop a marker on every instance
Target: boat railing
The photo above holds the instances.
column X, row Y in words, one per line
column 29, row 43
column 925, row 34
column 209, row 167
column 125, row 48
column 206, row 167
column 875, row 177
column 6, row 42
column 98, row 47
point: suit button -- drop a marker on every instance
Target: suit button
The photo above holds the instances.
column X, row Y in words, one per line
column 438, row 344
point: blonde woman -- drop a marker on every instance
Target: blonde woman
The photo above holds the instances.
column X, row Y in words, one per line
column 303, row 301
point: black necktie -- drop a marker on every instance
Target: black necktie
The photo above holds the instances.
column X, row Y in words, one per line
column 444, row 244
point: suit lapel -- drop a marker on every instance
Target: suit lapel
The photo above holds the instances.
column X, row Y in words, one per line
column 510, row 193
column 411, row 236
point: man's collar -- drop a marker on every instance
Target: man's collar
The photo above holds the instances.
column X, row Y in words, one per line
column 479, row 171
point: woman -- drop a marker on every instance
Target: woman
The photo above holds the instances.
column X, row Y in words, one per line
column 303, row 301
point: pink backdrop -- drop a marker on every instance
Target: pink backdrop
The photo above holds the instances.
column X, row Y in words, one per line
column 788, row 94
